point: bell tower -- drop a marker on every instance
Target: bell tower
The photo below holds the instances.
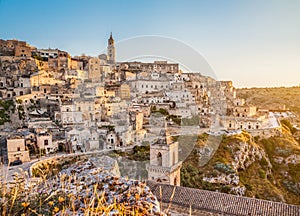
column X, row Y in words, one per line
column 111, row 50
column 164, row 166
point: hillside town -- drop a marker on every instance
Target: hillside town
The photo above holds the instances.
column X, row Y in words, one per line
column 53, row 102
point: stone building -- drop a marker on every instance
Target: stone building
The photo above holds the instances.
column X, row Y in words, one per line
column 69, row 116
column 76, row 64
column 124, row 91
column 57, row 60
column 156, row 66
column 111, row 51
column 15, row 48
column 44, row 141
column 148, row 86
column 16, row 149
column 164, row 166
column 94, row 69
column 43, row 78
column 112, row 140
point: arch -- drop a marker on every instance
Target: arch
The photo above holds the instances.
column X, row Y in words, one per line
column 159, row 159
column 175, row 181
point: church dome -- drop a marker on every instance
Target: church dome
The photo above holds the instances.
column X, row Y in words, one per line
column 103, row 56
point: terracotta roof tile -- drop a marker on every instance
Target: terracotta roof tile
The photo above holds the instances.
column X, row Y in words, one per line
column 221, row 203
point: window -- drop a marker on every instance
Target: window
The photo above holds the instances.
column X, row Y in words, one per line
column 45, row 142
column 18, row 149
column 159, row 159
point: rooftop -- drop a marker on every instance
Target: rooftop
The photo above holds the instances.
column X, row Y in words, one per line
column 204, row 201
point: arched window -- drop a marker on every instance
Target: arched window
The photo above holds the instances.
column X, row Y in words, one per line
column 159, row 159
column 175, row 181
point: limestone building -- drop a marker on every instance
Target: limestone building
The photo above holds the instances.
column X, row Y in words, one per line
column 16, row 149
column 164, row 166
column 111, row 51
column 94, row 69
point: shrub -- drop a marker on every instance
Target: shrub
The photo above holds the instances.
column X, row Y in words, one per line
column 288, row 124
column 262, row 173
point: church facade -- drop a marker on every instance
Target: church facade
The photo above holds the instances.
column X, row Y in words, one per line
column 164, row 164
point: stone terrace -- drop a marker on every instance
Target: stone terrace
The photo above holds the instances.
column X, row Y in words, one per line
column 204, row 202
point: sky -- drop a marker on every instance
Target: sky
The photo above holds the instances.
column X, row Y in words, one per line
column 252, row 42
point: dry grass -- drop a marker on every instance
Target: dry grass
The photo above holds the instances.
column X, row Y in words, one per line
column 20, row 197
column 272, row 98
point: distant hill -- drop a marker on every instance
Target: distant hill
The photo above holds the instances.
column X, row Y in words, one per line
column 272, row 98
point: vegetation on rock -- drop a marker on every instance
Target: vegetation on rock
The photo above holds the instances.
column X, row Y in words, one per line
column 265, row 168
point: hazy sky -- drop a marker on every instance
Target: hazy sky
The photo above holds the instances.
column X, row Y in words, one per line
column 253, row 43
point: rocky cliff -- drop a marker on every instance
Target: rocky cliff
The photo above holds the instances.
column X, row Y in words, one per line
column 266, row 168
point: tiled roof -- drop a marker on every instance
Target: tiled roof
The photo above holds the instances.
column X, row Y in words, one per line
column 221, row 203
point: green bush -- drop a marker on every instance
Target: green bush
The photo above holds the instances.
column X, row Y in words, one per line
column 262, row 173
